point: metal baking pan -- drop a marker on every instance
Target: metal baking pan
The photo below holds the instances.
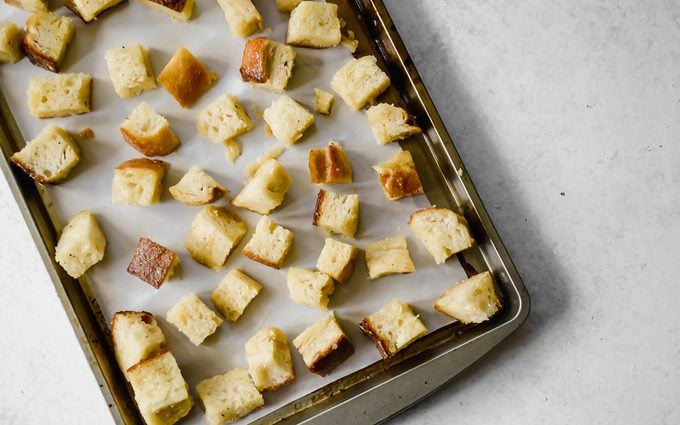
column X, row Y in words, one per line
column 378, row 391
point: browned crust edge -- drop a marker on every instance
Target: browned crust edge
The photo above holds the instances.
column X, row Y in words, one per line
column 155, row 165
column 148, row 360
column 255, row 60
column 381, row 345
column 37, row 58
column 214, row 194
column 332, row 357
column 26, row 169
column 145, row 316
column 255, row 257
column 148, row 147
column 348, row 270
column 318, row 209
column 164, row 260
column 278, row 385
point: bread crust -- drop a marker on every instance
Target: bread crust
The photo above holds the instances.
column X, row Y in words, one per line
column 368, row 329
column 329, row 165
column 26, row 169
column 32, row 49
column 159, row 144
column 186, row 78
column 255, row 61
column 332, row 357
column 155, row 165
column 36, row 57
column 254, row 256
column 70, row 5
column 152, row 262
column 318, row 208
column 176, row 5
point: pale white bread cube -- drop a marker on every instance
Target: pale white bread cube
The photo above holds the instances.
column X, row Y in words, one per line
column 390, row 123
column 472, row 300
column 314, row 24
column 178, row 10
column 337, row 259
column 323, row 345
column 81, row 245
column 287, row 5
column 337, row 213
column 266, row 189
column 152, row 262
column 59, row 95
column 33, row 6
column 50, row 157
column 197, row 187
column 360, row 81
column 398, row 176
column 272, row 153
column 329, row 165
column 280, row 65
column 234, row 293
column 388, row 256
column 393, row 328
column 288, row 120
column 193, row 318
column 186, row 78
column 442, row 232
column 47, row 37
column 310, row 288
column 138, row 181
column 323, row 101
column 223, row 119
column 130, row 70
column 88, row 10
column 161, row 393
column 242, row 17
column 136, row 336
column 269, row 360
column 149, row 132
column 10, row 42
column 270, row 243
column 228, row 397
column 214, row 234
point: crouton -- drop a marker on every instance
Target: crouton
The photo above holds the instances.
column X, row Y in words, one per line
column 472, row 300
column 197, row 187
column 50, row 157
column 337, row 213
column 269, row 360
column 390, row 123
column 360, row 81
column 266, row 189
column 388, row 256
column 242, row 17
column 329, row 165
column 224, row 119
column 136, row 336
column 314, row 24
column 214, row 234
column 178, row 10
column 81, row 245
column 88, row 10
column 323, row 346
column 323, row 101
column 398, row 176
column 33, row 6
column 130, row 70
column 193, row 318
column 152, row 262
column 148, row 132
column 310, row 288
column 47, row 37
column 138, row 182
column 59, row 95
column 337, row 260
column 10, row 42
column 234, row 293
column 186, row 78
column 393, row 328
column 270, row 243
column 288, row 120
column 228, row 397
column 267, row 64
column 442, row 232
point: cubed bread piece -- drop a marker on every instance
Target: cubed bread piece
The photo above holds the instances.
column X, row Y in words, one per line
column 47, row 37
column 393, row 328
column 255, row 60
column 314, row 24
column 269, row 360
column 287, row 120
column 390, row 123
column 270, row 243
column 329, row 165
column 337, row 259
column 193, row 318
column 231, row 150
column 197, row 187
column 149, row 132
column 337, row 213
column 81, row 245
column 138, row 182
column 186, row 78
column 224, row 119
column 228, row 397
column 161, row 392
column 152, row 262
column 310, row 288
column 287, row 5
column 267, row 64
column 60, row 95
column 471, row 300
column 50, row 157
column 266, row 189
column 178, row 10
column 272, row 153
column 242, row 16
column 323, row 346
column 442, row 232
column 214, row 234
column 388, row 256
column 88, row 10
column 33, row 6
column 10, row 42
column 130, row 70
column 360, row 81
column 136, row 336
column 323, row 101
column 398, row 176
column 234, row 293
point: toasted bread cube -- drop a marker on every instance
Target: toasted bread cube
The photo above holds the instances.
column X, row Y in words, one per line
column 88, row 10
column 314, row 24
column 33, row 6
column 197, row 187
column 309, row 287
column 267, row 64
column 390, row 123
column 393, row 328
column 10, row 42
column 50, row 157
column 136, row 336
column 130, row 70
column 60, row 95
column 224, row 119
column 228, row 397
column 323, row 346
column 329, row 165
column 161, row 392
column 270, row 243
column 323, row 101
column 398, row 176
column 337, row 213
column 47, row 37
column 234, row 293
column 442, row 232
column 242, row 17
column 266, row 189
column 388, row 256
column 269, row 360
column 149, row 132
column 255, row 60
column 360, row 81
column 193, row 318
column 214, row 234
column 337, row 260
column 178, row 10
column 287, row 120
column 81, row 245
column 138, row 182
column 287, row 5
column 186, row 78
column 152, row 262
column 471, row 300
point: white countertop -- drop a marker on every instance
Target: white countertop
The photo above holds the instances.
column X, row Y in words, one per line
column 567, row 116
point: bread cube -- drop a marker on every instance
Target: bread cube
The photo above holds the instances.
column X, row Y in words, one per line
column 266, row 189
column 178, row 10
column 314, row 24
column 148, row 132
column 471, row 300
column 197, row 187
column 228, row 397
column 224, row 119
column 337, row 213
column 33, row 6
column 242, row 17
column 81, row 245
column 50, row 157
column 337, row 260
column 186, row 78
column 398, row 176
column 130, row 70
column 214, row 234
column 393, row 328
column 234, row 293
column 287, row 120
column 193, row 318
column 255, row 60
column 47, row 37
column 269, row 360
column 88, row 10
column 136, row 336
column 442, row 232
column 388, row 256
column 360, row 81
column 310, row 288
column 60, row 95
column 10, row 42
column 329, row 165
column 323, row 346
column 138, row 182
column 161, row 392
column 270, row 243
column 287, row 5
column 390, row 123
column 272, row 153
column 323, row 101
column 152, row 262
column 267, row 64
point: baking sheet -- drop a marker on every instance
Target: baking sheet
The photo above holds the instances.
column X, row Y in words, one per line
column 88, row 187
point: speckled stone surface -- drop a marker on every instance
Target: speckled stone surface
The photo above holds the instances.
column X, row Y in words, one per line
column 567, row 115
